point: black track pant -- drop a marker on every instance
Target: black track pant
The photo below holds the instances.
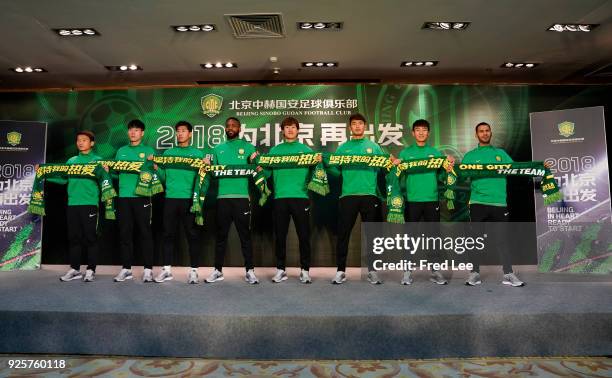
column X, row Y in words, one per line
column 237, row 210
column 82, row 225
column 487, row 213
column 284, row 210
column 426, row 212
column 348, row 209
column 177, row 212
column 135, row 213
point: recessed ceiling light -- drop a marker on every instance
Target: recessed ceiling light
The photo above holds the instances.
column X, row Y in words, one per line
column 519, row 65
column 419, row 63
column 446, row 25
column 28, row 69
column 320, row 64
column 194, row 28
column 76, row 32
column 572, row 27
column 217, row 65
column 319, row 25
column 124, row 68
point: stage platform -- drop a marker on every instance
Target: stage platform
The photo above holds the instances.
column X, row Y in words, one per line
column 554, row 315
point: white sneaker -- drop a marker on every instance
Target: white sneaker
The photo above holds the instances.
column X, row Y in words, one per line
column 215, row 276
column 72, row 274
column 147, row 276
column 280, row 276
column 437, row 278
column 339, row 278
column 90, row 275
column 164, row 275
column 124, row 274
column 373, row 278
column 250, row 277
column 473, row 279
column 193, row 276
column 512, row 280
column 407, row 278
column 305, row 277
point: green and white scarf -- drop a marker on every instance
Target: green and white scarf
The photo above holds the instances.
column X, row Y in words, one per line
column 93, row 171
column 318, row 176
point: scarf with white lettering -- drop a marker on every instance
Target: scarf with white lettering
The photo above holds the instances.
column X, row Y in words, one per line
column 93, row 171
column 318, row 176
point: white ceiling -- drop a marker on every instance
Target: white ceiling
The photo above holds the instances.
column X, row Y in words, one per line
column 377, row 36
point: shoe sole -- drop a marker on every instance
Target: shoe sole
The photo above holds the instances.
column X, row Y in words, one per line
column 165, row 279
column 375, row 282
column 215, row 280
column 147, row 281
column 473, row 284
column 284, row 278
column 339, row 282
column 71, row 279
column 513, row 285
column 88, row 280
column 193, row 282
column 252, row 282
column 125, row 279
column 406, row 283
column 306, row 281
column 438, row 282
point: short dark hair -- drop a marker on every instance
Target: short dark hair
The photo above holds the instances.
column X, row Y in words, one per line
column 420, row 123
column 136, row 123
column 290, row 121
column 481, row 124
column 357, row 117
column 183, row 123
column 87, row 133
column 234, row 118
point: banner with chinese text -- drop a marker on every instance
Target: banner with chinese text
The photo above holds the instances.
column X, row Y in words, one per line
column 22, row 146
column 574, row 235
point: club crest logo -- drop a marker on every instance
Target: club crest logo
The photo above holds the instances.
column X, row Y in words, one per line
column 145, row 177
column 211, row 105
column 451, row 179
column 498, row 158
column 13, row 138
column 141, row 155
column 241, row 151
column 566, row 129
column 320, row 174
column 397, row 201
column 369, row 150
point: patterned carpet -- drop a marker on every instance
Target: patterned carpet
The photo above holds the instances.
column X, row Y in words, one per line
column 185, row 367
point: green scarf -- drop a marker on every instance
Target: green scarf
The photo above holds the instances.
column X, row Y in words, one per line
column 395, row 199
column 549, row 187
column 93, row 171
column 148, row 181
column 318, row 176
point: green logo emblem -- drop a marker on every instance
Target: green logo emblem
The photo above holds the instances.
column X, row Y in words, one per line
column 211, row 105
column 13, row 138
column 566, row 129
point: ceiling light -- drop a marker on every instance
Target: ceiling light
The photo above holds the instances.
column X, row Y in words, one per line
column 76, row 32
column 216, row 65
column 446, row 25
column 319, row 25
column 572, row 27
column 308, row 64
column 28, row 69
column 320, row 64
column 419, row 63
column 519, row 65
column 194, row 28
column 124, row 68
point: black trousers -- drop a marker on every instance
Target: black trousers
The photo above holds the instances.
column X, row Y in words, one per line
column 176, row 213
column 135, row 212
column 349, row 207
column 487, row 213
column 425, row 212
column 284, row 210
column 237, row 210
column 82, row 225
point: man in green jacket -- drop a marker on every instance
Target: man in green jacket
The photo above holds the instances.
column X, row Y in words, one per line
column 488, row 200
column 358, row 195
column 233, row 203
column 291, row 200
column 422, row 203
column 179, row 185
column 82, row 212
column 134, row 211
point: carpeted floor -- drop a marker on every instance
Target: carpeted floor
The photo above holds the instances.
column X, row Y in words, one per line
column 183, row 367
